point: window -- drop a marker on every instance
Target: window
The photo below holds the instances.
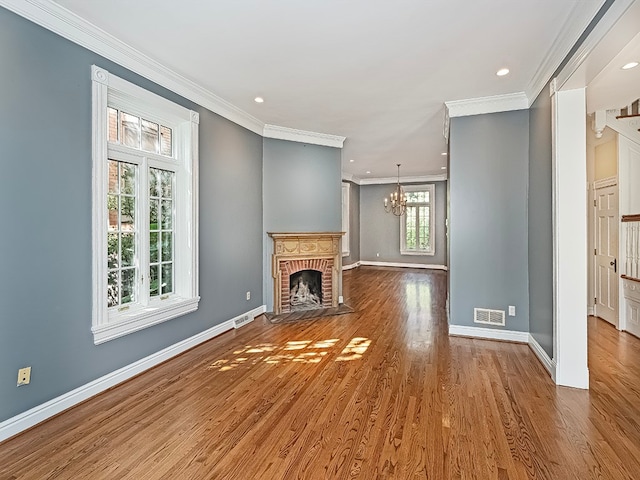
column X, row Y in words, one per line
column 416, row 225
column 346, row 188
column 145, row 265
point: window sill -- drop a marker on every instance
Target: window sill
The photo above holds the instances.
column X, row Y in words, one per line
column 129, row 322
column 417, row 253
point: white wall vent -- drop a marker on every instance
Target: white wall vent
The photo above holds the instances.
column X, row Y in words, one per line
column 492, row 317
column 242, row 320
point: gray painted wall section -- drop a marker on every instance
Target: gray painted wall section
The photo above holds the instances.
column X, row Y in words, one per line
column 540, row 224
column 302, row 193
column 45, row 187
column 354, row 226
column 380, row 231
column 488, row 201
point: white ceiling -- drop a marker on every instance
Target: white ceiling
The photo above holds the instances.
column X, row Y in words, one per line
column 374, row 71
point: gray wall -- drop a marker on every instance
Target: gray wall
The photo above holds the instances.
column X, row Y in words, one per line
column 45, row 190
column 354, row 226
column 380, row 231
column 488, row 224
column 540, row 224
column 302, row 193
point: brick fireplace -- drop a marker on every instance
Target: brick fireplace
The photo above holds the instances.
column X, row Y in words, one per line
column 297, row 252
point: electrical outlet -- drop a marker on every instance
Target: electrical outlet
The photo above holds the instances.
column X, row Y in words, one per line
column 248, row 295
column 24, row 376
column 512, row 311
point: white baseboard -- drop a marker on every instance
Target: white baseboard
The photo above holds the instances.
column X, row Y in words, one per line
column 488, row 333
column 350, row 266
column 591, row 310
column 35, row 415
column 406, row 265
column 544, row 358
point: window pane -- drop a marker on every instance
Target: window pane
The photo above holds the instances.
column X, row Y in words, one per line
column 128, row 249
column 423, row 233
column 112, row 250
column 113, row 124
column 167, row 184
column 150, row 142
column 167, row 278
column 154, row 182
column 122, row 249
column 167, row 246
column 154, row 206
column 128, row 213
column 165, row 141
column 417, row 197
column 112, row 207
column 130, row 130
column 154, row 285
column 128, row 290
column 127, row 178
column 167, row 215
column 153, row 247
column 113, row 292
column 113, row 176
column 410, row 228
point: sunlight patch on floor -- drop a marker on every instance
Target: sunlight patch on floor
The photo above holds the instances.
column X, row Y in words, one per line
column 356, row 348
column 265, row 352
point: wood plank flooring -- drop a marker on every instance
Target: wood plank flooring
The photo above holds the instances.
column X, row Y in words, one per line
column 380, row 393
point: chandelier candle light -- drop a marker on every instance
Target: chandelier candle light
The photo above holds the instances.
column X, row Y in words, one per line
column 397, row 203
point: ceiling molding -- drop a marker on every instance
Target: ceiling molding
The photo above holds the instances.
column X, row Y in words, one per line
column 576, row 23
column 61, row 21
column 599, row 32
column 493, row 104
column 303, row 136
column 414, row 179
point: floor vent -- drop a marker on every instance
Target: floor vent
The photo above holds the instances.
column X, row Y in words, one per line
column 491, row 317
column 243, row 320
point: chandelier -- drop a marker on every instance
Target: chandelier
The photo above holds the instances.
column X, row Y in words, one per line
column 397, row 201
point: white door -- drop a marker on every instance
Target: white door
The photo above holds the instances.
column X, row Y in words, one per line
column 606, row 254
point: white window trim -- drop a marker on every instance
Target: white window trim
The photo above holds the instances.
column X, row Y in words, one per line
column 403, row 219
column 346, row 198
column 108, row 324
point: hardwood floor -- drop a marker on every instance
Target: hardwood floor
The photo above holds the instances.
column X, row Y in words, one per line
column 379, row 393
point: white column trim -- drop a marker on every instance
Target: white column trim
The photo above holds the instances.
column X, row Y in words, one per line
column 570, row 237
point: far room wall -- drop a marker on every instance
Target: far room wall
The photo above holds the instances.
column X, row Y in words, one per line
column 380, row 231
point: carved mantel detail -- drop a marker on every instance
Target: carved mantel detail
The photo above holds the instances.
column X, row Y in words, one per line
column 295, row 251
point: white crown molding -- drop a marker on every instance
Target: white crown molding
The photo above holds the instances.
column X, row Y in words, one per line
column 488, row 333
column 349, row 177
column 482, row 105
column 67, row 24
column 40, row 413
column 410, row 179
column 600, row 30
column 302, row 136
column 576, row 23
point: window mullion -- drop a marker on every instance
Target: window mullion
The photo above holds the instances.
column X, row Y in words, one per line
column 143, row 253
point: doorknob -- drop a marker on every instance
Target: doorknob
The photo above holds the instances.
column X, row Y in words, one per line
column 614, row 264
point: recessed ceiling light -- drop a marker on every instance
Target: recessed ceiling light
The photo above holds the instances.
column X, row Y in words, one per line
column 368, row 171
column 444, row 154
column 502, row 72
column 352, row 160
column 259, row 100
column 443, row 168
column 630, row 65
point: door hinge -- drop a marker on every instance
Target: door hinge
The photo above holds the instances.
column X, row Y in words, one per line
column 595, row 299
column 594, row 203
